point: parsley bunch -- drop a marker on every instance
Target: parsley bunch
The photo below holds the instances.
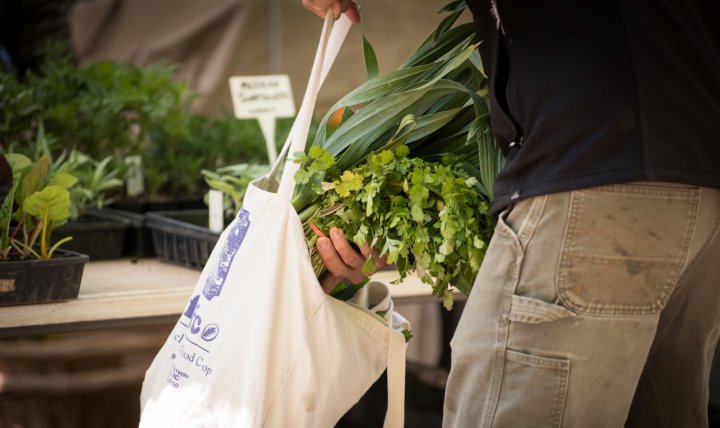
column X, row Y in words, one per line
column 424, row 216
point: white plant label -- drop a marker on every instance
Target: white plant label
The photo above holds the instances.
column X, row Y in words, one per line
column 134, row 182
column 215, row 212
column 264, row 98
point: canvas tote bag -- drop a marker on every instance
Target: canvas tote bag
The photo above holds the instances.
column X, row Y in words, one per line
column 259, row 343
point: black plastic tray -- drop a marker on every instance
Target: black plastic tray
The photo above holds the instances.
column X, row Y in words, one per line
column 182, row 237
column 98, row 236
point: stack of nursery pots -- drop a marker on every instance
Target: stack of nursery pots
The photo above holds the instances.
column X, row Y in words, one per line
column 129, row 137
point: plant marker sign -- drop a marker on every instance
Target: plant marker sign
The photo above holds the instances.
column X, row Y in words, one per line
column 264, row 98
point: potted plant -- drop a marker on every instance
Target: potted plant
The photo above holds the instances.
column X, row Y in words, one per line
column 34, row 203
column 101, row 233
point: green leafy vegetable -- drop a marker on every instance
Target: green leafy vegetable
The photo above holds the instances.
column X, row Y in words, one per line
column 38, row 201
column 424, row 216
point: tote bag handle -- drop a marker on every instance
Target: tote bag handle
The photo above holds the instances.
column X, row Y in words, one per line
column 331, row 38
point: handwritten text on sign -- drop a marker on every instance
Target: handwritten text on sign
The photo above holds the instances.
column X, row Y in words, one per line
column 255, row 96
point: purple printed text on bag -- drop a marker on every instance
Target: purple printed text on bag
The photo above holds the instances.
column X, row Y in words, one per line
column 193, row 345
column 236, row 235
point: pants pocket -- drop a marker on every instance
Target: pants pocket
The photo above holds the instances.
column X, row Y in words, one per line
column 624, row 248
column 543, row 382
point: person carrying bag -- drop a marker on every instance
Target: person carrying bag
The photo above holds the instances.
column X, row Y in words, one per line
column 259, row 343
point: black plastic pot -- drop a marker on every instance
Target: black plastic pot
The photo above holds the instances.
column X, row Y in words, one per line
column 138, row 239
column 100, row 236
column 182, row 237
column 39, row 281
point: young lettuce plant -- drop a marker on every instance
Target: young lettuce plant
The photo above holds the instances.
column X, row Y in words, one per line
column 33, row 205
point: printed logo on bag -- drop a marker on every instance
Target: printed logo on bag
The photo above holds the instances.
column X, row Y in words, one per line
column 210, row 332
column 192, row 320
column 236, row 234
column 193, row 345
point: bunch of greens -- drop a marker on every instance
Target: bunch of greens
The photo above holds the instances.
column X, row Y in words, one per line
column 433, row 110
column 34, row 203
column 425, row 216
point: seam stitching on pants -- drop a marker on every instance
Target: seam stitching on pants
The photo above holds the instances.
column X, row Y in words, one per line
column 689, row 232
column 532, row 220
column 561, row 398
column 701, row 252
column 501, row 344
column 560, row 273
column 503, row 334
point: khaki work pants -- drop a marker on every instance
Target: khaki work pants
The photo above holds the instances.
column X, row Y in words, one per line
column 593, row 308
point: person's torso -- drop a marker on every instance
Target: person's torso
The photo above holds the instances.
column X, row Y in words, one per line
column 593, row 92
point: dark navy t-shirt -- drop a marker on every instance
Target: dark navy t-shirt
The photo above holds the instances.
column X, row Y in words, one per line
column 593, row 92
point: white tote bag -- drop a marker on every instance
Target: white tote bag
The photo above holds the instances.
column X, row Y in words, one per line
column 260, row 344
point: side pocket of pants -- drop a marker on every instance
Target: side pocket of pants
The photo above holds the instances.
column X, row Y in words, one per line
column 544, row 382
column 491, row 384
column 533, row 387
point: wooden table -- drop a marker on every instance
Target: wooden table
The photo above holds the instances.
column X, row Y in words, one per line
column 122, row 293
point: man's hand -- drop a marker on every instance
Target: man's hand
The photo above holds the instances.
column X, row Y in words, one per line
column 320, row 7
column 342, row 261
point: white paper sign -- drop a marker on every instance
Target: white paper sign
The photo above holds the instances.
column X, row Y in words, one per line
column 264, row 98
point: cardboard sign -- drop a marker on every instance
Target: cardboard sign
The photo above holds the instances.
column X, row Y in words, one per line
column 264, row 98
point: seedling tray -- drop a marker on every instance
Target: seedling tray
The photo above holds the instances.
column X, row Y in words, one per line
column 101, row 238
column 182, row 237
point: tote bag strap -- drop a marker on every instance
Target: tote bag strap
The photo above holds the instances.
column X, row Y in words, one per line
column 331, row 38
column 395, row 415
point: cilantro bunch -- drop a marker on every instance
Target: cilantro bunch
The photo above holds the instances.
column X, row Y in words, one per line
column 424, row 216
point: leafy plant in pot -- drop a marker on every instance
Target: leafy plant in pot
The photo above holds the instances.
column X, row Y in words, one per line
column 100, row 232
column 32, row 268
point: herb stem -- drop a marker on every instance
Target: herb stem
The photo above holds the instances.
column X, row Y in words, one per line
column 308, row 212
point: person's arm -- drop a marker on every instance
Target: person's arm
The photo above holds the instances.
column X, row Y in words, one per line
column 320, row 7
column 342, row 261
